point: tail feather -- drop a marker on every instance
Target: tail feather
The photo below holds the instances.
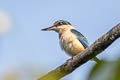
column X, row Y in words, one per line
column 96, row 60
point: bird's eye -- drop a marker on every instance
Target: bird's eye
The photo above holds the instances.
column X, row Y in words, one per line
column 60, row 23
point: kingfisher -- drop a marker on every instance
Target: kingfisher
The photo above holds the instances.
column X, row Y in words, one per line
column 71, row 40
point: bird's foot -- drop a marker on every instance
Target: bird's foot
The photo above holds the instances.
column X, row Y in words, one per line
column 69, row 60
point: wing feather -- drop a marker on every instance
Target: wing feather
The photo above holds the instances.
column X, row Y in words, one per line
column 80, row 37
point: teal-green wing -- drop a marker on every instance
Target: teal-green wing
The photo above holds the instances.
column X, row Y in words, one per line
column 81, row 38
column 84, row 42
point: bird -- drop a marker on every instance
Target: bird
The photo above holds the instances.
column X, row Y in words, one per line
column 71, row 41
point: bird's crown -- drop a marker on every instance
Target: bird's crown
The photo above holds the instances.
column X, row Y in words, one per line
column 61, row 22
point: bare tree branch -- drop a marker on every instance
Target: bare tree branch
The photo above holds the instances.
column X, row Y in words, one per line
column 97, row 47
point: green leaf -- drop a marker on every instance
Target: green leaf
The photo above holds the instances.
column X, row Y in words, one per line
column 106, row 71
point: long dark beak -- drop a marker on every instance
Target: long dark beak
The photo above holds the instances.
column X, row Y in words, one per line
column 49, row 28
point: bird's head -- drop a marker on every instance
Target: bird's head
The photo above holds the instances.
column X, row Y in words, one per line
column 58, row 26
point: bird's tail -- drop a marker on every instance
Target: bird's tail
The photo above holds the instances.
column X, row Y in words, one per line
column 96, row 60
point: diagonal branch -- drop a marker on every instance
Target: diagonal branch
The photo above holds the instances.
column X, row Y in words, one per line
column 96, row 48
